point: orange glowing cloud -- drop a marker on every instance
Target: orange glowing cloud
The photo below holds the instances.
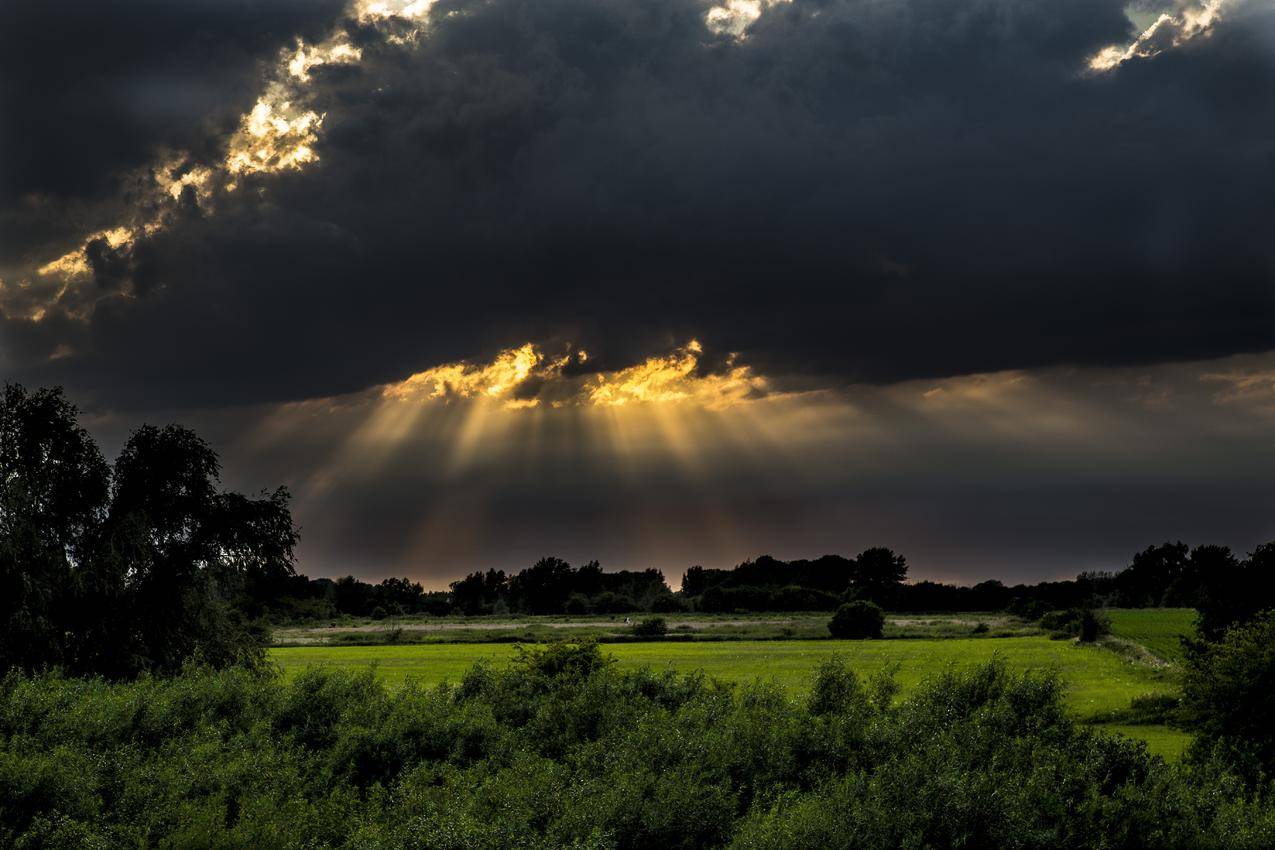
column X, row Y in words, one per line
column 525, row 376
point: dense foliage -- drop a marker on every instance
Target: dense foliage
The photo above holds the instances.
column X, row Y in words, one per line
column 137, row 567
column 1228, row 695
column 562, row 750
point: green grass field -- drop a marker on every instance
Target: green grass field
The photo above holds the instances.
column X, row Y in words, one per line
column 1158, row 629
column 1099, row 681
column 612, row 628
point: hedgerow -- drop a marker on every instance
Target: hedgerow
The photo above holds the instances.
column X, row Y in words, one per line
column 560, row 749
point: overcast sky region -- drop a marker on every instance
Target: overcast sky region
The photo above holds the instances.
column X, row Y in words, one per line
column 674, row 282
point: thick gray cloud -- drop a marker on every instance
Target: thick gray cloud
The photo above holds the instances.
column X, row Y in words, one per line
column 90, row 89
column 856, row 192
column 859, row 190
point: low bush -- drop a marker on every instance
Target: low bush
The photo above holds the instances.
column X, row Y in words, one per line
column 651, row 627
column 857, row 620
column 1065, row 622
column 1093, row 625
column 1084, row 624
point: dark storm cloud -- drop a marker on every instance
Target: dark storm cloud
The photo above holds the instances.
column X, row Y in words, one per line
column 92, row 88
column 858, row 191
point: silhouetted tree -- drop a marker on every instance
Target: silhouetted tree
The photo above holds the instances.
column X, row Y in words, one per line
column 399, row 595
column 352, row 597
column 1148, row 578
column 188, row 552
column 137, row 570
column 878, row 572
column 53, row 489
column 542, row 588
column 697, row 579
column 477, row 592
column 1213, row 582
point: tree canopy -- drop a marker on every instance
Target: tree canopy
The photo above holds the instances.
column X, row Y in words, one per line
column 139, row 566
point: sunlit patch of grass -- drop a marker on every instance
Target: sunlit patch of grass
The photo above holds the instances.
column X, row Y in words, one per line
column 1163, row 741
column 612, row 628
column 1158, row 629
column 1098, row 682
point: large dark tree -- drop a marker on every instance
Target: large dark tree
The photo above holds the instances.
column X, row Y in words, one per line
column 142, row 569
column 1152, row 573
column 477, row 592
column 543, row 588
column 1228, row 694
column 877, row 573
column 1214, row 583
column 53, row 490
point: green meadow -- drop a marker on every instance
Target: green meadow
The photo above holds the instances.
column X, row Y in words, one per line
column 1099, row 681
column 1158, row 629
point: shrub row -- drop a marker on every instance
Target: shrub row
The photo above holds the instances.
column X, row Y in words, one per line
column 559, row 749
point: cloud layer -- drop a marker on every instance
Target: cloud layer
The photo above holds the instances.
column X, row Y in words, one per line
column 937, row 260
column 852, row 190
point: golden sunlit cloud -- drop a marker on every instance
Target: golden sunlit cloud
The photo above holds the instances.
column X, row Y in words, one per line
column 279, row 134
column 734, row 17
column 499, row 380
column 336, row 51
column 525, row 376
column 274, row 136
column 76, row 262
column 674, row 378
column 1168, row 31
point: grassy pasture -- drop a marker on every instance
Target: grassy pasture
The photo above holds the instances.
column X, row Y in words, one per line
column 611, row 628
column 1158, row 629
column 1099, row 681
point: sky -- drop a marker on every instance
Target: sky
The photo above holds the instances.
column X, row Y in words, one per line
column 990, row 282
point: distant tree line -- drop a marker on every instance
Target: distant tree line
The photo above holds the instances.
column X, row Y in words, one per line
column 1224, row 587
column 550, row 586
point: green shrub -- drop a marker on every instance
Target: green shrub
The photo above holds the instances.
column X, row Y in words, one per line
column 1093, row 624
column 651, row 627
column 856, row 620
column 1065, row 621
column 1228, row 698
column 1085, row 624
column 561, row 749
